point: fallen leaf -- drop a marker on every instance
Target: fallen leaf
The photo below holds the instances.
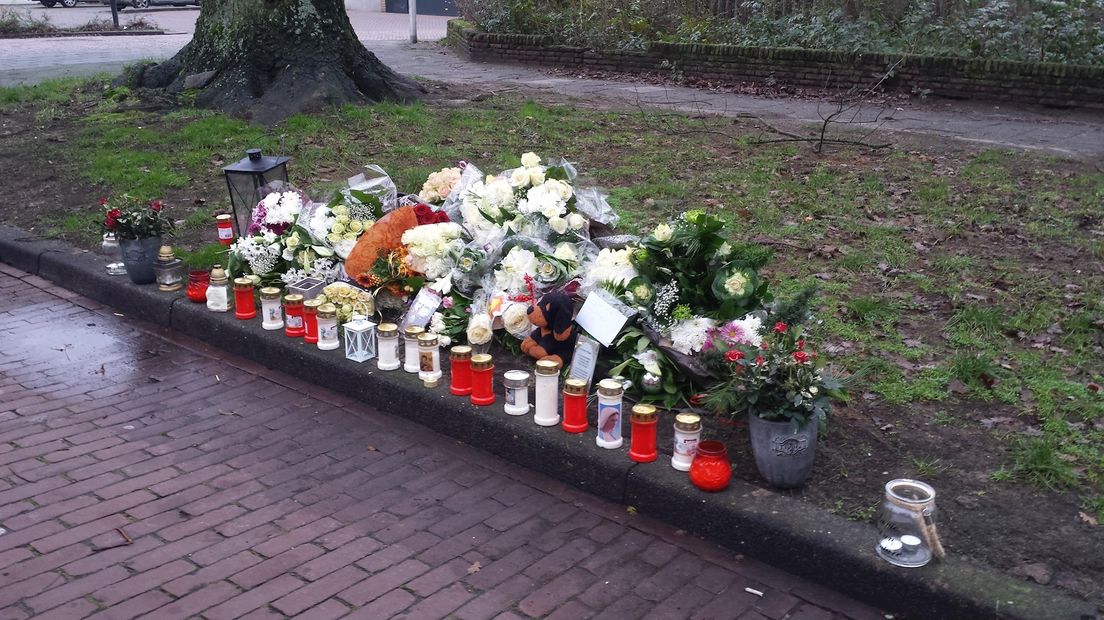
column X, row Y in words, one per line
column 227, row 412
column 474, row 568
column 957, row 386
column 371, row 448
column 1087, row 518
column 1036, row 571
column 630, row 509
column 761, row 493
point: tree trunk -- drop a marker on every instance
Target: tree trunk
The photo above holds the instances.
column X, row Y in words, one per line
column 270, row 59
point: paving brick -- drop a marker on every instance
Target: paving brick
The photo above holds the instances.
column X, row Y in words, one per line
column 226, row 547
column 727, row 605
column 503, row 568
column 669, row 578
column 75, row 589
column 329, row 610
column 439, row 605
column 141, row 604
column 196, row 602
column 104, row 508
column 556, row 592
column 607, row 588
column 276, row 566
column 260, row 595
column 572, row 610
column 440, row 577
column 297, row 536
column 310, row 595
column 340, row 557
column 79, row 533
column 384, row 607
column 148, row 580
column 215, row 572
column 380, row 583
column 561, row 559
column 503, row 595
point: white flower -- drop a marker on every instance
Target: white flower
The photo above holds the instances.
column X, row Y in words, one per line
column 439, row 185
column 724, row 250
column 430, row 248
column 519, row 177
column 559, row 188
column 566, row 252
column 610, row 266
column 437, row 323
column 553, row 211
column 687, row 337
column 662, row 233
column 479, row 329
column 576, row 221
column 292, row 241
column 530, row 160
column 516, row 320
column 511, row 272
column 736, row 283
column 444, row 285
column 536, row 176
column 558, row 224
column 271, row 200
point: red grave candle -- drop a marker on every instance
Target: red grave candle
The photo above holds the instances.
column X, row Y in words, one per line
column 482, row 372
column 310, row 320
column 293, row 321
column 244, row 305
column 575, row 406
column 461, row 370
column 198, row 281
column 643, row 446
column 710, row 470
column 225, row 229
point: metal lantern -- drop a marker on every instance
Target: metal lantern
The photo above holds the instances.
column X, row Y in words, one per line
column 360, row 339
column 245, row 177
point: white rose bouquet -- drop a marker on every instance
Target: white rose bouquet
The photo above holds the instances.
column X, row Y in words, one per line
column 431, row 248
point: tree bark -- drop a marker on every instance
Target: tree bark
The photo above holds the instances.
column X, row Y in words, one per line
column 270, row 59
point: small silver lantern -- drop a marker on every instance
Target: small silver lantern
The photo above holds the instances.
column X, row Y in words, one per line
column 360, row 339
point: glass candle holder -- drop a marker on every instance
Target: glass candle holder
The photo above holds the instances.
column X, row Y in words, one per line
column 482, row 367
column 272, row 315
column 460, row 366
column 610, row 392
column 906, row 529
column 218, row 291
column 169, row 270
column 388, row 344
column 575, row 406
column 327, row 327
column 198, row 281
column 688, row 429
column 516, row 383
column 546, row 399
column 114, row 254
column 429, row 360
column 642, row 444
column 410, row 348
column 310, row 320
column 224, row 224
column 293, row 323
column 244, row 305
column 711, row 470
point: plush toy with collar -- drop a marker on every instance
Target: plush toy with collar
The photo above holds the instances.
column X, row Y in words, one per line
column 555, row 334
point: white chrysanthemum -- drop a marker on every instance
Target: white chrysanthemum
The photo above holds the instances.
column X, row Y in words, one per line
column 687, row 337
column 610, row 266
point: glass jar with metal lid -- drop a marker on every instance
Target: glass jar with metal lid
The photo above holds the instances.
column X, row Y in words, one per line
column 688, row 430
column 387, row 335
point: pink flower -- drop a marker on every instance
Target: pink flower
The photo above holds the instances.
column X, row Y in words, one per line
column 448, row 303
column 780, row 327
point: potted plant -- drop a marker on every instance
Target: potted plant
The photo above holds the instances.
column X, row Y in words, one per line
column 770, row 374
column 138, row 225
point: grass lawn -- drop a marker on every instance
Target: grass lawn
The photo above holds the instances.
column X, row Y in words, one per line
column 965, row 288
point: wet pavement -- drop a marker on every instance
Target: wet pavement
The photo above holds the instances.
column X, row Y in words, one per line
column 144, row 474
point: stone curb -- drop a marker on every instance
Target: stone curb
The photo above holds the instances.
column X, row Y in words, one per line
column 90, row 33
column 778, row 530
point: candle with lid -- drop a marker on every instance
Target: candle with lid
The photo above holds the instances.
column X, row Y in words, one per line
column 575, row 406
column 460, row 365
column 169, row 270
column 218, row 290
column 687, row 433
column 642, row 444
column 482, row 367
column 546, row 395
column 516, row 383
column 225, row 227
column 410, row 348
column 327, row 327
column 272, row 315
column 310, row 320
column 244, row 306
column 429, row 360
column 388, row 344
column 293, row 308
column 610, row 392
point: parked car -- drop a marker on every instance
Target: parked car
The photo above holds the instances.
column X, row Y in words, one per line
column 145, row 4
column 65, row 3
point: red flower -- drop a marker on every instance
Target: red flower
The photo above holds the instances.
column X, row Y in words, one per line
column 442, row 218
column 733, row 355
column 764, row 345
column 780, row 327
column 697, row 399
column 103, row 201
column 759, row 361
column 800, row 357
column 800, row 345
column 156, row 206
column 424, row 214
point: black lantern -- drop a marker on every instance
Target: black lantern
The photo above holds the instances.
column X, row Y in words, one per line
column 245, row 177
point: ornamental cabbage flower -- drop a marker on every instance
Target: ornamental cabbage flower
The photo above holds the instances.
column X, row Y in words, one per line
column 662, row 233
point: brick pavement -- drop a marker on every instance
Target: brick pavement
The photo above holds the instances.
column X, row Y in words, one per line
column 248, row 494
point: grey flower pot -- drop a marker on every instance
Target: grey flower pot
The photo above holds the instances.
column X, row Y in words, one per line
column 784, row 452
column 138, row 258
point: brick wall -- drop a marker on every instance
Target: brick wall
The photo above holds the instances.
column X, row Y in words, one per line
column 1030, row 83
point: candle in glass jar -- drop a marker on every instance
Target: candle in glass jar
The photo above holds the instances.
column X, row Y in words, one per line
column 516, row 383
column 271, row 312
column 575, row 406
column 387, row 339
column 460, row 366
column 546, row 393
column 410, row 348
column 310, row 320
column 610, row 392
column 429, row 360
column 327, row 327
column 225, row 229
column 688, row 430
column 196, row 290
column 293, row 308
column 710, row 471
column 482, row 367
column 642, row 444
column 244, row 306
column 218, row 291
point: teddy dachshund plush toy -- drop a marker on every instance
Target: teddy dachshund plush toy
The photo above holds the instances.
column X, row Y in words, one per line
column 555, row 335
